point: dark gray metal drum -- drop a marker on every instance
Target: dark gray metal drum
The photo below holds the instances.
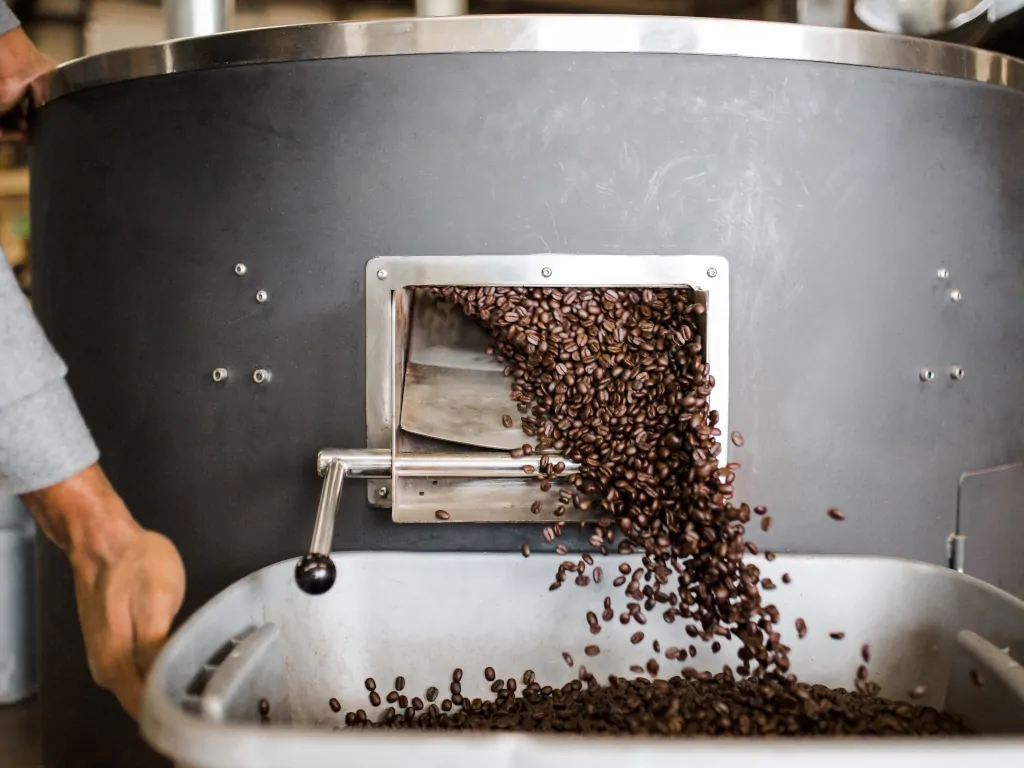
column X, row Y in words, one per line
column 865, row 190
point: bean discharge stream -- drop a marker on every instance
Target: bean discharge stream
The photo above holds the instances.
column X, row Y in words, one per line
column 616, row 380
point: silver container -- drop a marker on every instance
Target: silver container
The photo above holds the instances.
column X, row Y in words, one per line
column 17, row 602
column 423, row 615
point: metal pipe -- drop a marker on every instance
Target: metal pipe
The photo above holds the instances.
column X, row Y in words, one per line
column 192, row 18
column 376, row 464
column 442, row 7
column 330, row 494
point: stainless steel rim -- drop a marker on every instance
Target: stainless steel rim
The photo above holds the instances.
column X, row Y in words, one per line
column 570, row 34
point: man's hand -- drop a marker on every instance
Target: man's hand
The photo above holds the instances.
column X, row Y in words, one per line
column 21, row 64
column 129, row 582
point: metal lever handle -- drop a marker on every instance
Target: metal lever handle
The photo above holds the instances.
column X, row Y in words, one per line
column 315, row 572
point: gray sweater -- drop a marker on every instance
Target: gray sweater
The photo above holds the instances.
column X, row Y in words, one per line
column 43, row 438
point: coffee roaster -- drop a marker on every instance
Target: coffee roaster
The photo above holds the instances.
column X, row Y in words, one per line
column 235, row 238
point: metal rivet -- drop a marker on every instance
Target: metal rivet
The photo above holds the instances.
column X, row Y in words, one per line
column 261, row 296
column 220, row 374
column 942, row 274
column 926, row 374
column 956, row 372
column 382, row 274
column 261, row 375
column 955, row 295
column 712, row 272
column 241, row 269
column 382, row 492
column 546, row 272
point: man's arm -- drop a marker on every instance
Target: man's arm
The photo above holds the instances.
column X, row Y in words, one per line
column 129, row 582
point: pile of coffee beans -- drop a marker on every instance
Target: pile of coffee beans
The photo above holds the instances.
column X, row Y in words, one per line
column 615, row 380
column 693, row 704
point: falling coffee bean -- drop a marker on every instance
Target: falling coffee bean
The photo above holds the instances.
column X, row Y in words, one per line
column 567, row 658
column 837, row 514
column 371, row 684
column 636, row 638
column 766, row 523
column 506, row 420
column 335, row 705
column 489, row 674
column 399, row 683
column 865, row 653
column 525, row 549
column 264, row 707
column 837, row 635
column 737, row 438
column 442, row 515
column 592, row 650
column 801, row 628
column 432, row 693
column 375, row 698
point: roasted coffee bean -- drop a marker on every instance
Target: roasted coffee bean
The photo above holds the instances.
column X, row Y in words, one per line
column 529, row 469
column 567, row 658
column 489, row 674
column 399, row 683
column 264, row 707
column 392, row 697
column 457, row 675
column 561, row 549
column 432, row 693
column 737, row 438
column 497, row 685
column 836, row 514
column 535, row 507
column 525, row 549
column 837, row 635
column 403, row 701
column 801, row 628
column 528, row 677
column 786, row 578
column 371, row 684
column 446, row 705
column 766, row 523
column 598, row 575
column 457, row 699
column 442, row 515
column 455, row 688
column 335, row 705
column 350, row 718
column 657, row 646
column 618, row 581
column 374, row 699
column 865, row 653
column 652, row 667
column 417, row 703
column 506, row 420
column 977, row 678
column 592, row 650
column 545, row 486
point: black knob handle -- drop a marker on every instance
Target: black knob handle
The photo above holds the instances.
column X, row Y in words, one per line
column 315, row 574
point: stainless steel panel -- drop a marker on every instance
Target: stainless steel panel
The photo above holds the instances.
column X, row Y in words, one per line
column 990, row 520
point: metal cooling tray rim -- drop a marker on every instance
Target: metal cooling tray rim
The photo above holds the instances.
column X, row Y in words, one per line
column 538, row 33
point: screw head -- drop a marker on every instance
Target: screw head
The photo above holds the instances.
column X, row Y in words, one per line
column 261, row 296
column 382, row 492
column 955, row 295
column 546, row 272
column 241, row 269
column 942, row 274
column 219, row 374
column 956, row 372
column 926, row 374
column 382, row 274
column 261, row 375
column 712, row 272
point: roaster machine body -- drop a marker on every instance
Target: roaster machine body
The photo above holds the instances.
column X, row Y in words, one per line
column 213, row 203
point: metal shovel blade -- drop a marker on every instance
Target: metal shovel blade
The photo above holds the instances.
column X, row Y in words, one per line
column 454, row 390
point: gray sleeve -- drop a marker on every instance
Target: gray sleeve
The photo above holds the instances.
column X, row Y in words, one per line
column 43, row 439
column 8, row 20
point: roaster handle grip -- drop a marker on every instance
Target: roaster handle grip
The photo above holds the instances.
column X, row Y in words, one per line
column 315, row 572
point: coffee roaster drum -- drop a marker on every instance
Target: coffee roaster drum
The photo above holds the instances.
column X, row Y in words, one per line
column 204, row 212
